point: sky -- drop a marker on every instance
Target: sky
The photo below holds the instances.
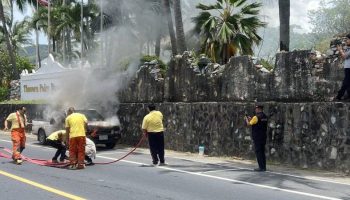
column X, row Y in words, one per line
column 299, row 15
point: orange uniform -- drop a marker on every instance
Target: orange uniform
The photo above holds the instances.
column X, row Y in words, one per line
column 75, row 125
column 18, row 137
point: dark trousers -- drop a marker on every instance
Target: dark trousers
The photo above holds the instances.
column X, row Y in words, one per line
column 61, row 149
column 260, row 154
column 156, row 145
column 345, row 85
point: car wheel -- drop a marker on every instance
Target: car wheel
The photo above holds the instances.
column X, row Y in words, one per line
column 110, row 145
column 42, row 136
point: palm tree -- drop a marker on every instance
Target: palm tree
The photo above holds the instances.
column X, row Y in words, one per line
column 167, row 11
column 231, row 31
column 65, row 24
column 284, row 17
column 180, row 33
column 284, row 13
column 15, row 74
column 20, row 34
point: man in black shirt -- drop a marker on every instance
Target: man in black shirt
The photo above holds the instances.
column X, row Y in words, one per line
column 259, row 127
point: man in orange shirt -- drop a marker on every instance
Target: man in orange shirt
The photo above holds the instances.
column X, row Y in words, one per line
column 76, row 125
column 18, row 121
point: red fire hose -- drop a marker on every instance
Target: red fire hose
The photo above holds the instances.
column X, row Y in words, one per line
column 65, row 164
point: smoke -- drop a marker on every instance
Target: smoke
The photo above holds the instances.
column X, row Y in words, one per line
column 108, row 69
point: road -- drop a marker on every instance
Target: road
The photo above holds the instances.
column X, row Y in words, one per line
column 135, row 178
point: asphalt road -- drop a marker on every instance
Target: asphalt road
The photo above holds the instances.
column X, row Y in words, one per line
column 134, row 178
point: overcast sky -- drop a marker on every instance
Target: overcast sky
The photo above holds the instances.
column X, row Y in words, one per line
column 299, row 11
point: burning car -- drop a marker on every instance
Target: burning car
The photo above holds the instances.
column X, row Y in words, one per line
column 100, row 130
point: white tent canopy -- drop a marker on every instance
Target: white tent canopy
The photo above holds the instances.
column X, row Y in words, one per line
column 41, row 84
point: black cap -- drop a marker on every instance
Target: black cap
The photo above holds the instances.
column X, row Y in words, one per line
column 348, row 36
column 259, row 106
column 151, row 106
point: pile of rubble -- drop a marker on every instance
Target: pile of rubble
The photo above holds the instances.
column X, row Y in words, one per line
column 154, row 68
column 332, row 52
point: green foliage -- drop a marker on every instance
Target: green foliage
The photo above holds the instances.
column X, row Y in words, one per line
column 5, row 74
column 233, row 31
column 267, row 63
column 30, row 52
column 148, row 58
column 4, row 92
column 23, row 102
column 298, row 41
column 124, row 64
column 332, row 18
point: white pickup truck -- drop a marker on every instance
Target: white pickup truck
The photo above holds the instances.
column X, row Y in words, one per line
column 101, row 131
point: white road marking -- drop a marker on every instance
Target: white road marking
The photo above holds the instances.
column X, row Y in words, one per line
column 111, row 153
column 230, row 180
column 239, row 168
column 219, row 170
column 272, row 172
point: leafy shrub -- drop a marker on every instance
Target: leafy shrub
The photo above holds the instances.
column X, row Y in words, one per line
column 148, row 58
column 4, row 92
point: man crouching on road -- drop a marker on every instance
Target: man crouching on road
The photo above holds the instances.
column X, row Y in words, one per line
column 76, row 125
column 58, row 140
column 18, row 121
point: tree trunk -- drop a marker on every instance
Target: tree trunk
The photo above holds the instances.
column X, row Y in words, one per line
column 54, row 44
column 284, row 13
column 15, row 74
column 167, row 12
column 157, row 47
column 69, row 45
column 180, row 33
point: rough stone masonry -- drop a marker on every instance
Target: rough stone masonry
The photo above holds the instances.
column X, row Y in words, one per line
column 306, row 129
column 206, row 108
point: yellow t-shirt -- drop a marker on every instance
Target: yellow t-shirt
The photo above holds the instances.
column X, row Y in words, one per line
column 76, row 123
column 55, row 135
column 253, row 121
column 153, row 122
column 14, row 121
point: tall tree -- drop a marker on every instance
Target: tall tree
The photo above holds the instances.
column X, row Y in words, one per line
column 180, row 33
column 167, row 11
column 15, row 74
column 331, row 19
column 232, row 31
column 284, row 14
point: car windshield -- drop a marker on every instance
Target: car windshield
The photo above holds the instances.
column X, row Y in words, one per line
column 91, row 115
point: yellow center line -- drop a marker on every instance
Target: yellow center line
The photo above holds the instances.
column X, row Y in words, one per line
column 41, row 186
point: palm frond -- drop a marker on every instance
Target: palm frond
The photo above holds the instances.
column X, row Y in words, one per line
column 209, row 7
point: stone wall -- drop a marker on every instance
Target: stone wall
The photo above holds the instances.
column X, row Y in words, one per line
column 305, row 128
column 207, row 108
column 309, row 134
column 294, row 79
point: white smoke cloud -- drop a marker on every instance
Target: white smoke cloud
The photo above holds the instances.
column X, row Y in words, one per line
column 96, row 85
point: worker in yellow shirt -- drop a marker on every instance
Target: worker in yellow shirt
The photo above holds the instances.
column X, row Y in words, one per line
column 58, row 140
column 18, row 122
column 152, row 126
column 76, row 125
